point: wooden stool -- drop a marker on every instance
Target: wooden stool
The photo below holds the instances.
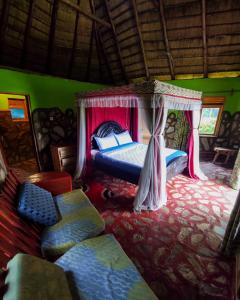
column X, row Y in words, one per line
column 223, row 151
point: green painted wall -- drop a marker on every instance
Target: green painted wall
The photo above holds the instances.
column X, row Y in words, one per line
column 44, row 91
column 228, row 87
column 48, row 91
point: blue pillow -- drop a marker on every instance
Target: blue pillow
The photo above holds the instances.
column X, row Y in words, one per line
column 106, row 142
column 37, row 205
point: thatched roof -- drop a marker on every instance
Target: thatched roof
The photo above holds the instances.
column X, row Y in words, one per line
column 120, row 40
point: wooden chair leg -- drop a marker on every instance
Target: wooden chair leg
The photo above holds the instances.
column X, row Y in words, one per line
column 215, row 157
column 227, row 158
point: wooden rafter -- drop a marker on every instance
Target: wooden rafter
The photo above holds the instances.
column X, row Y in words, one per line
column 52, row 32
column 27, row 33
column 164, row 26
column 116, row 40
column 140, row 38
column 100, row 44
column 3, row 24
column 89, row 62
column 87, row 15
column 98, row 54
column 204, row 36
column 75, row 36
column 105, row 56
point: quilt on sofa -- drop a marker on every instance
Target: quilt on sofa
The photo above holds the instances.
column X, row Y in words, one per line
column 98, row 268
column 80, row 221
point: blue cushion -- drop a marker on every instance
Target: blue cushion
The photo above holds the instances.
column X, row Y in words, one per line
column 37, row 205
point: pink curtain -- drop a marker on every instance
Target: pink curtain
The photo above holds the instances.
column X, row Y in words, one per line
column 95, row 116
column 190, row 145
column 134, row 121
column 193, row 118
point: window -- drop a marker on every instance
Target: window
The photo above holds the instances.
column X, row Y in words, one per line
column 211, row 116
column 18, row 109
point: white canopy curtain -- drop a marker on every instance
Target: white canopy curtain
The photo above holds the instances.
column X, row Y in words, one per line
column 155, row 98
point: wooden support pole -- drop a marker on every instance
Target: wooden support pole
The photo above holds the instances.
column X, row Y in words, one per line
column 27, row 33
column 75, row 36
column 164, row 26
column 204, row 36
column 87, row 15
column 52, row 32
column 116, row 40
column 3, row 24
column 140, row 38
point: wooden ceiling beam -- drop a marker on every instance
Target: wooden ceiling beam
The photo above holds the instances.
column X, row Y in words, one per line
column 3, row 24
column 105, row 57
column 165, row 35
column 89, row 62
column 52, row 32
column 74, row 44
column 87, row 15
column 204, row 37
column 116, row 40
column 141, row 39
column 27, row 33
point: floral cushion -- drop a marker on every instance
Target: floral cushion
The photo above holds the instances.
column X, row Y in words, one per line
column 37, row 205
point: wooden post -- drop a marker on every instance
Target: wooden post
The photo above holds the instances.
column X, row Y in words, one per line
column 204, row 36
column 116, row 40
column 73, row 50
column 52, row 31
column 27, row 33
column 164, row 26
column 140, row 38
column 3, row 24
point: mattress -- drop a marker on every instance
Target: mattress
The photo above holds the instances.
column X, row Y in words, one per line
column 127, row 161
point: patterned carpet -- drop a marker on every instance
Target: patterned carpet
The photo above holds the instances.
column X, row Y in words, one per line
column 177, row 247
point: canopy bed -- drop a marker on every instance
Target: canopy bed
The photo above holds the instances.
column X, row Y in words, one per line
column 121, row 104
column 126, row 161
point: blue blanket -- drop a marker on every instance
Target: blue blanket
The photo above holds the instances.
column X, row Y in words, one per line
column 126, row 161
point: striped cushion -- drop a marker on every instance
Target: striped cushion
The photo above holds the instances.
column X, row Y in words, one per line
column 80, row 221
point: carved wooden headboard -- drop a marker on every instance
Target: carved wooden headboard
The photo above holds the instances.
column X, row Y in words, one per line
column 105, row 129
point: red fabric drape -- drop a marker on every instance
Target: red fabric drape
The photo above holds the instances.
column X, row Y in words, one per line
column 190, row 145
column 135, row 124
column 95, row 116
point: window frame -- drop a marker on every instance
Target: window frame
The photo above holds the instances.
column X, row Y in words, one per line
column 213, row 102
column 19, row 103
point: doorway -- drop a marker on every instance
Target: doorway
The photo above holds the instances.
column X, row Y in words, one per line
column 16, row 133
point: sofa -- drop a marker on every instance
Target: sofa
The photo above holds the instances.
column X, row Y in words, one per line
column 72, row 258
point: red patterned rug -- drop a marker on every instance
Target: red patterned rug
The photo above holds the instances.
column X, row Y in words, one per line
column 177, row 247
